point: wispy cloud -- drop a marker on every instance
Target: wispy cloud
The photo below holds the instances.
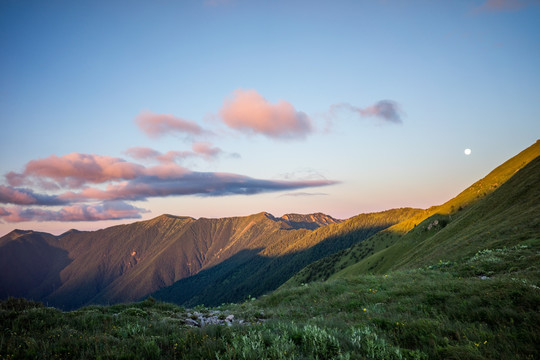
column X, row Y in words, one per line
column 385, row 110
column 214, row 3
column 156, row 125
column 301, row 194
column 247, row 111
column 206, row 150
column 203, row 150
column 142, row 153
column 303, row 174
column 504, row 5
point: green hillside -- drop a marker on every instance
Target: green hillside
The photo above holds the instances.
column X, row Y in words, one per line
column 393, row 247
column 504, row 218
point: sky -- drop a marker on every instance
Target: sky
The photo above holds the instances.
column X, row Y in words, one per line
column 118, row 111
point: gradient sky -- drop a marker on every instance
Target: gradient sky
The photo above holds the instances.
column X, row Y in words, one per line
column 113, row 111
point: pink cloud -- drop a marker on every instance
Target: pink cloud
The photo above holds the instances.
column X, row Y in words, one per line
column 156, row 125
column 248, row 111
column 74, row 170
column 172, row 156
column 206, row 150
column 15, row 179
column 200, row 149
column 114, row 210
column 167, row 171
column 504, row 5
column 11, row 195
column 142, row 153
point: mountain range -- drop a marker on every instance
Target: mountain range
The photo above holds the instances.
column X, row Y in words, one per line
column 129, row 262
column 209, row 261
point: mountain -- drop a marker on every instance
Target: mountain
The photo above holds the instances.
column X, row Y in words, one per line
column 128, row 262
column 311, row 221
column 477, row 218
column 257, row 272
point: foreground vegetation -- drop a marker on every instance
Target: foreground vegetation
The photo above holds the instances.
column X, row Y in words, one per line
column 486, row 306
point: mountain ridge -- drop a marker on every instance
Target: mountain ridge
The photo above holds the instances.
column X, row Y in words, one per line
column 127, row 262
column 442, row 214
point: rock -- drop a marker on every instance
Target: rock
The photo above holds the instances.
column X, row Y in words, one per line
column 230, row 318
column 192, row 322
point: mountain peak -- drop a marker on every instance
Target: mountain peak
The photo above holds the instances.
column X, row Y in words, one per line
column 309, row 221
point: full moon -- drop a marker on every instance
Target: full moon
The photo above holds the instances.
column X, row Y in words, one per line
column 467, row 151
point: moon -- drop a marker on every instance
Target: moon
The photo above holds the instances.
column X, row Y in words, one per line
column 467, row 151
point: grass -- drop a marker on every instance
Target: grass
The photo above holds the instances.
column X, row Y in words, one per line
column 481, row 307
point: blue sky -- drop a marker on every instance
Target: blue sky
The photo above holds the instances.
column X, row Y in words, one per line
column 341, row 107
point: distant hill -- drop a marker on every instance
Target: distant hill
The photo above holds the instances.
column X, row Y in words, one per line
column 128, row 262
column 497, row 210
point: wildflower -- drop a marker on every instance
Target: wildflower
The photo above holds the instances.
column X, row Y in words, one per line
column 485, row 342
column 365, row 309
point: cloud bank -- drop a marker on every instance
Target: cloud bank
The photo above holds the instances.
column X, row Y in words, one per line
column 247, row 111
column 84, row 179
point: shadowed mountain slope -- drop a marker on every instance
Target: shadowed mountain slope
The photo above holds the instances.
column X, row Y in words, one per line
column 270, row 267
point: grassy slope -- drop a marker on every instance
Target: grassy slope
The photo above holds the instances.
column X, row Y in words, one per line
column 505, row 217
column 382, row 243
